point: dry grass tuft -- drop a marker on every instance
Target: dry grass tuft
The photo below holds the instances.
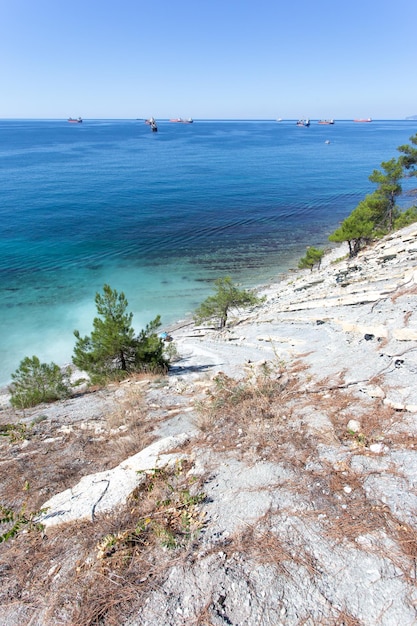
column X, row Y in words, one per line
column 272, row 416
column 365, row 519
column 260, row 543
column 346, row 619
column 111, row 565
column 254, row 414
column 50, row 456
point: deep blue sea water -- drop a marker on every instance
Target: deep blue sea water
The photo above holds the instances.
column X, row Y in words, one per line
column 161, row 215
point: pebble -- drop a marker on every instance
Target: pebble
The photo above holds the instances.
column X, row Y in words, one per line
column 353, row 426
column 377, row 447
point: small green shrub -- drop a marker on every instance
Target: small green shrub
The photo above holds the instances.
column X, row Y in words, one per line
column 228, row 296
column 313, row 257
column 13, row 522
column 339, row 259
column 406, row 217
column 171, row 352
column 35, row 382
column 38, row 419
column 15, row 432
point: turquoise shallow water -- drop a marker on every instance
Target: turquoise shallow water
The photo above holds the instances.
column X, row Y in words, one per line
column 161, row 215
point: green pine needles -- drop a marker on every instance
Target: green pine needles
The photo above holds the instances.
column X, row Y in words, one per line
column 313, row 257
column 113, row 351
column 379, row 213
column 228, row 296
column 35, row 382
column 12, row 522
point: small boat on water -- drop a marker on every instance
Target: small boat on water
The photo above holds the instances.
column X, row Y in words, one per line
column 326, row 122
column 180, row 120
column 305, row 122
column 151, row 122
column 369, row 119
column 73, row 120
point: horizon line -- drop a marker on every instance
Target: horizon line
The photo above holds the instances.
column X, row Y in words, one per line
column 220, row 119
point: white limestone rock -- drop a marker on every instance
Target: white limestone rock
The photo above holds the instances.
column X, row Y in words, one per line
column 104, row 491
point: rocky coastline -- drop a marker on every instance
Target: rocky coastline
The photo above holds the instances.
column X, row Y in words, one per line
column 308, row 466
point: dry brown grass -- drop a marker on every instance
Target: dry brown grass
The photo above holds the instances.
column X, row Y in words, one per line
column 259, row 543
column 255, row 415
column 272, row 416
column 346, row 619
column 289, row 557
column 47, row 459
column 367, row 519
column 111, row 565
column 264, row 418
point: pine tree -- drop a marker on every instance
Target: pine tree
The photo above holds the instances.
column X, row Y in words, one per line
column 112, row 350
column 35, row 382
column 408, row 159
column 378, row 213
column 313, row 257
column 228, row 296
column 389, row 188
column 357, row 228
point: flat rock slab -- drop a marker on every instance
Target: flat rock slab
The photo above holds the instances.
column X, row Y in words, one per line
column 104, row 491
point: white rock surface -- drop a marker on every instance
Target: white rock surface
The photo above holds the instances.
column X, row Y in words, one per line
column 104, row 491
column 353, row 325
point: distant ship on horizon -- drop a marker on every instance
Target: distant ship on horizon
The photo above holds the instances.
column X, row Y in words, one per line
column 151, row 122
column 368, row 119
column 180, row 120
column 72, row 120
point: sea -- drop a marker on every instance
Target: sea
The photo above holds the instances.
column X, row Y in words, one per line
column 161, row 215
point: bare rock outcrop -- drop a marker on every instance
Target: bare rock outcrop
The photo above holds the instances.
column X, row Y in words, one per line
column 299, row 423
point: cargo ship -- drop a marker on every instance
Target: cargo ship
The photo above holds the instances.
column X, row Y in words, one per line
column 180, row 120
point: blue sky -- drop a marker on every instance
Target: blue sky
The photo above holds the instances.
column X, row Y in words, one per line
column 239, row 59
